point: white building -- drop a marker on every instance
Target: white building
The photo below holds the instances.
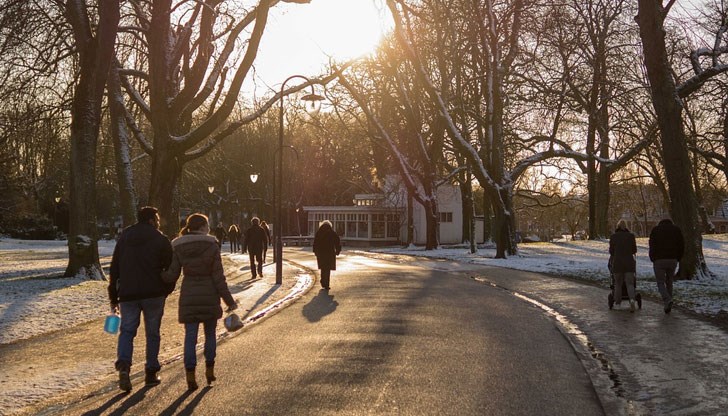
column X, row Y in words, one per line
column 381, row 219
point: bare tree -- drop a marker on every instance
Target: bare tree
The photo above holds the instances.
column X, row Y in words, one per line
column 669, row 109
column 95, row 46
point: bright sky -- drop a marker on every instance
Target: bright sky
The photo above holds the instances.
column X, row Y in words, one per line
column 300, row 38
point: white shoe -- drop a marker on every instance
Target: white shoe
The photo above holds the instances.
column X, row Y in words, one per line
column 631, row 306
column 617, row 306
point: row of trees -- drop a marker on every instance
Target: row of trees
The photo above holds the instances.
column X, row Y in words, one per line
column 499, row 88
column 516, row 94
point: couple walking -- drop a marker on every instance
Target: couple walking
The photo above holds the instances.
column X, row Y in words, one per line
column 666, row 247
column 144, row 270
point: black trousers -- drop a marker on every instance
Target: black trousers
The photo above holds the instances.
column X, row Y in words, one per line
column 256, row 270
column 325, row 278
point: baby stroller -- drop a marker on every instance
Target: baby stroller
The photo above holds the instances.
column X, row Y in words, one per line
column 625, row 294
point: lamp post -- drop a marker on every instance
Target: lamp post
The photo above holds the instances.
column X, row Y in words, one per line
column 278, row 186
column 211, row 189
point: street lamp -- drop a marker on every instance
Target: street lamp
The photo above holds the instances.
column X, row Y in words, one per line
column 278, row 186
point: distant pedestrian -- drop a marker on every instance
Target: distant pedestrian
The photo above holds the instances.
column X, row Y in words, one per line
column 666, row 250
column 220, row 234
column 197, row 255
column 622, row 250
column 234, row 237
column 265, row 227
column 255, row 242
column 136, row 287
column 326, row 246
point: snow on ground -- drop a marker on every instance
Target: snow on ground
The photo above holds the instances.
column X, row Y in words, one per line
column 33, row 300
column 587, row 260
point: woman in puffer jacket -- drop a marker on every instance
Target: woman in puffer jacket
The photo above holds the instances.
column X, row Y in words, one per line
column 197, row 255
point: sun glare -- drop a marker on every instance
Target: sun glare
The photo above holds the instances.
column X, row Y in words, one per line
column 300, row 38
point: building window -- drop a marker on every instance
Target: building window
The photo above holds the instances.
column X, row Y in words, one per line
column 378, row 226
column 363, row 226
column 351, row 228
column 445, row 217
column 392, row 225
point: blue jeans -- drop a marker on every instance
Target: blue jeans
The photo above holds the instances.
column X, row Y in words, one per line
column 153, row 309
column 191, row 330
column 664, row 274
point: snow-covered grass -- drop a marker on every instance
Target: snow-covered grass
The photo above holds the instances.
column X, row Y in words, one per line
column 587, row 260
column 32, row 297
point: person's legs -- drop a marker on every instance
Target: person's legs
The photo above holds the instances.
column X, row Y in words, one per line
column 253, row 270
column 153, row 310
column 265, row 252
column 259, row 258
column 618, row 281
column 664, row 273
column 190, row 355
column 325, row 278
column 629, row 282
column 130, row 313
column 210, row 342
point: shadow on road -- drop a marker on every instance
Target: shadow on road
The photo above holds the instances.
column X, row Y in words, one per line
column 189, row 409
column 320, row 306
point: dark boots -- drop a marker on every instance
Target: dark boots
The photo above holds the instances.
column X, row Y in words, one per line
column 191, row 382
column 152, row 379
column 210, row 373
column 124, row 380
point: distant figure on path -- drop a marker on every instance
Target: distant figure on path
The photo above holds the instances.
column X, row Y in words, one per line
column 220, row 234
column 265, row 227
column 136, row 286
column 666, row 250
column 255, row 242
column 326, row 246
column 622, row 250
column 234, row 237
column 197, row 255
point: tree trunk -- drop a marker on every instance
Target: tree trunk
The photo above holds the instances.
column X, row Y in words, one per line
column 675, row 158
column 163, row 190
column 504, row 226
column 466, row 192
column 410, row 219
column 95, row 55
column 122, row 151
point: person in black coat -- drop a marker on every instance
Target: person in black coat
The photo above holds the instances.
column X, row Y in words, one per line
column 220, row 234
column 667, row 246
column 622, row 250
column 136, row 288
column 326, row 246
column 255, row 241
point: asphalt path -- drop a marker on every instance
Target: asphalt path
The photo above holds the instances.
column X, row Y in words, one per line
column 388, row 338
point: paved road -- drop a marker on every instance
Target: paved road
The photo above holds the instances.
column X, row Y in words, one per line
column 387, row 339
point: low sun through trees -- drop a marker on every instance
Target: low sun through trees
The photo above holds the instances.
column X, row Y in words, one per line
column 551, row 118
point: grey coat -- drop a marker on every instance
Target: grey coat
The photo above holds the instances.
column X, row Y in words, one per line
column 198, row 257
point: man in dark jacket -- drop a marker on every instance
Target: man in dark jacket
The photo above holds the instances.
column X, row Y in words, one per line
column 136, row 287
column 666, row 250
column 255, row 241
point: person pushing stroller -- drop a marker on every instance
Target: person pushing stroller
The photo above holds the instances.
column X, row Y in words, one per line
column 622, row 262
